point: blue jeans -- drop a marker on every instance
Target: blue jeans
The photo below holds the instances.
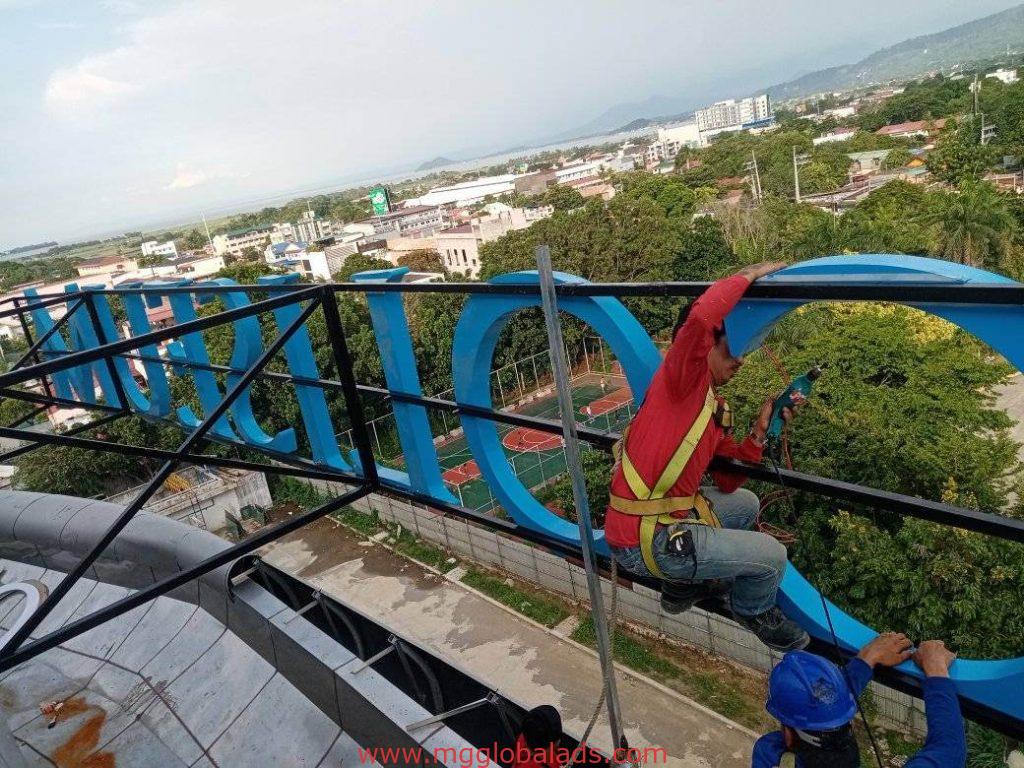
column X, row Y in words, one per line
column 752, row 560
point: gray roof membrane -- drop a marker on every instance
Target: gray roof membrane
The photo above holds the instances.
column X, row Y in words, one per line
column 200, row 681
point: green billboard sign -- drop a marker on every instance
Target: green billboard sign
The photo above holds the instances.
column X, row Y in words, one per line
column 380, row 200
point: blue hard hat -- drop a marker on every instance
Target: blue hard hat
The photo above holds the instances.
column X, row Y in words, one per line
column 808, row 692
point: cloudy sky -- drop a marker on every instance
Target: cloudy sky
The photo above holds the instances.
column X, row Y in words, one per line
column 122, row 114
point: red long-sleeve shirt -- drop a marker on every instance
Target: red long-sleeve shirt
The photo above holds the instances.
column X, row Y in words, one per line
column 674, row 398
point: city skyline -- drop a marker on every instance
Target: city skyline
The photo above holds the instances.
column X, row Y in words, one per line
column 125, row 113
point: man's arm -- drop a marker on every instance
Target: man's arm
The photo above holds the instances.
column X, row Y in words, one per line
column 687, row 357
column 946, row 745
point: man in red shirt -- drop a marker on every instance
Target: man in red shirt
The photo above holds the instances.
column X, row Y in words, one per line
column 661, row 521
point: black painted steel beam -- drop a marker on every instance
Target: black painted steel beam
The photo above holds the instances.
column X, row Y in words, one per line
column 259, row 539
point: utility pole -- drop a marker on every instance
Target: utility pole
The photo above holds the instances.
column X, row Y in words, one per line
column 798, row 160
column 207, row 228
column 755, row 180
column 988, row 132
column 975, row 88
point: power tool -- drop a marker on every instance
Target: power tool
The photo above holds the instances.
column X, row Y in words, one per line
column 801, row 385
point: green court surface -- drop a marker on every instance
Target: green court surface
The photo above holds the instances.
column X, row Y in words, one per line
column 533, row 468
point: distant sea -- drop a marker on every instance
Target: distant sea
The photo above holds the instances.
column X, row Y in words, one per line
column 361, row 180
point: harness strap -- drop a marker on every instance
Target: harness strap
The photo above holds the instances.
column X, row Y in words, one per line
column 704, row 514
column 670, row 474
column 651, row 505
column 788, row 760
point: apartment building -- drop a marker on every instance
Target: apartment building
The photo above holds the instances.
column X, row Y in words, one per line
column 153, row 248
column 237, row 240
column 733, row 113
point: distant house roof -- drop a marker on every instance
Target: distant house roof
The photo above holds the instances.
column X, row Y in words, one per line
column 914, row 126
column 192, row 259
column 105, row 261
column 871, row 154
column 401, row 213
column 247, row 230
column 279, row 249
column 462, row 229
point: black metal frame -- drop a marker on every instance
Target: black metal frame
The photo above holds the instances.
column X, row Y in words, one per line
column 323, row 297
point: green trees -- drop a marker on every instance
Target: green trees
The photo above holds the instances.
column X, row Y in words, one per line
column 906, row 405
column 930, row 98
column 194, row 240
column 973, row 225
column 563, row 198
column 357, row 262
column 704, row 253
column 424, row 260
column 958, row 155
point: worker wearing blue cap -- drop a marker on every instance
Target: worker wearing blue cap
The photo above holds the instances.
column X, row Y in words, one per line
column 815, row 702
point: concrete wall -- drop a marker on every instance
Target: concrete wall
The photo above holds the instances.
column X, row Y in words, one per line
column 639, row 604
column 207, row 503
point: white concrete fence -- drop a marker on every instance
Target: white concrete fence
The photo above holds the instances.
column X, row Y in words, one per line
column 639, row 605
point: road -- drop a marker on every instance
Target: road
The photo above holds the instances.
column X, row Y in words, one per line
column 526, row 662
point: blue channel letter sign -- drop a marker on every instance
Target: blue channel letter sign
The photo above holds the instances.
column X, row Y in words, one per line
column 995, row 684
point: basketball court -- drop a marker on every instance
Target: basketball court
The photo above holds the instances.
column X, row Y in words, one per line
column 537, row 456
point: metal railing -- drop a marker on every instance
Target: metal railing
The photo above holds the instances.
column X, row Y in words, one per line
column 38, row 364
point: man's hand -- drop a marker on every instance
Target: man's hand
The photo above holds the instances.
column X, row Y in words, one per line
column 759, row 431
column 756, row 271
column 934, row 658
column 888, row 649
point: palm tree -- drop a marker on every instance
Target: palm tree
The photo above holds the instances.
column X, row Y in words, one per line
column 972, row 224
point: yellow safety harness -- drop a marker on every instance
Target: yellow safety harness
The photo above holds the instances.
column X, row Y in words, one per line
column 651, row 505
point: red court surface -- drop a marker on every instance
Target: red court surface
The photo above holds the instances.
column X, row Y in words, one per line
column 608, row 403
column 522, row 439
column 461, row 474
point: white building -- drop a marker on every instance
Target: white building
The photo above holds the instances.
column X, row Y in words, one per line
column 153, row 248
column 106, row 266
column 459, row 247
column 468, row 192
column 203, row 265
column 841, row 113
column 310, row 229
column 412, row 221
column 1007, row 76
column 311, row 265
column 237, row 240
column 282, row 232
column 733, row 113
column 578, row 171
column 839, row 134
column 670, row 140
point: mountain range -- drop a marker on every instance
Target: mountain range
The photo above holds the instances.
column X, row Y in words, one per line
column 982, row 39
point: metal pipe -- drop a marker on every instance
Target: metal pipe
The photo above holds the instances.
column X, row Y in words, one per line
column 574, row 466
column 904, row 292
column 346, row 372
column 101, row 337
column 41, row 438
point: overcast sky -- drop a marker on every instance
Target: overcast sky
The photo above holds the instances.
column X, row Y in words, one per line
column 121, row 114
